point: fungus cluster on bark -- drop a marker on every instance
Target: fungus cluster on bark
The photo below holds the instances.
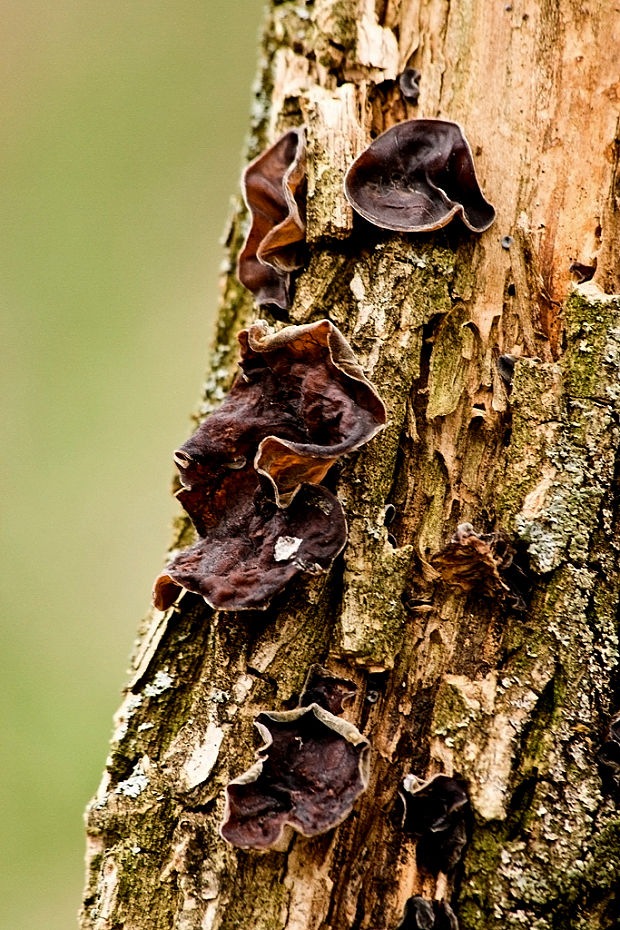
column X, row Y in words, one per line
column 251, row 473
column 436, row 814
column 415, row 177
column 251, row 483
column 309, row 772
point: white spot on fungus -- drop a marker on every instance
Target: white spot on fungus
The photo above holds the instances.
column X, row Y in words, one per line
column 286, row 547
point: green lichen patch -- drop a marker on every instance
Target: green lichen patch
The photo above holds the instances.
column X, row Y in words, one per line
column 372, row 617
column 262, row 908
column 452, row 348
column 536, row 410
column 322, row 290
column 564, row 439
column 337, row 23
column 592, row 883
column 592, row 360
column 432, row 488
column 482, row 859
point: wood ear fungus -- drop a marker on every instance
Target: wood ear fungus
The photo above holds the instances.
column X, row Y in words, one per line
column 251, row 473
column 309, row 772
column 416, row 177
column 582, row 272
column 436, row 813
column 469, row 562
column 421, row 914
column 274, row 188
column 338, row 409
column 328, row 691
column 506, row 368
column 253, row 548
column 409, row 84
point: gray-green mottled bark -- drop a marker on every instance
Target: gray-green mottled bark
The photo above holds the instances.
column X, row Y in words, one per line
column 515, row 702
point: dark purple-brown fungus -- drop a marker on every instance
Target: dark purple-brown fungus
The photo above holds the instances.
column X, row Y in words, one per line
column 582, row 272
column 608, row 758
column 421, row 914
column 436, row 813
column 336, row 409
column 409, row 83
column 506, row 369
column 250, row 474
column 255, row 547
column 274, row 188
column 310, row 771
column 469, row 562
column 416, row 177
column 328, row 691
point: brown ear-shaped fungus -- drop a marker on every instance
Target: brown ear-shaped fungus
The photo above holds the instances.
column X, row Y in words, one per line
column 310, row 771
column 274, row 188
column 300, row 401
column 416, row 177
column 338, row 409
column 581, row 272
column 486, row 563
column 468, row 562
column 506, row 369
column 255, row 547
column 409, row 83
column 326, row 690
column 421, row 914
column 436, row 812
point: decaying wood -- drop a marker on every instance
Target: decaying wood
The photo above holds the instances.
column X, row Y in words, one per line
column 514, row 702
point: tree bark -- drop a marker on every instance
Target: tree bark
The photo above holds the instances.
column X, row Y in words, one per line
column 516, row 703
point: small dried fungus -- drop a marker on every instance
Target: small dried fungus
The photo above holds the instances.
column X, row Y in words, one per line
column 436, row 813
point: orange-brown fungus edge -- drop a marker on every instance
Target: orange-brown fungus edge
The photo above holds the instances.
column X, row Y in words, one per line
column 251, row 473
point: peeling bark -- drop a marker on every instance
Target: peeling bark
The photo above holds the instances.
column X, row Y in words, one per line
column 514, row 703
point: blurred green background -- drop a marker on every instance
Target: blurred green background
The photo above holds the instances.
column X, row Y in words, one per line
column 121, row 144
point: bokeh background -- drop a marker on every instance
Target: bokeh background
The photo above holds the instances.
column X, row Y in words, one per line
column 120, row 145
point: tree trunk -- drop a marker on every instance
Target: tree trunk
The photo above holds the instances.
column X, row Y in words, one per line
column 516, row 702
